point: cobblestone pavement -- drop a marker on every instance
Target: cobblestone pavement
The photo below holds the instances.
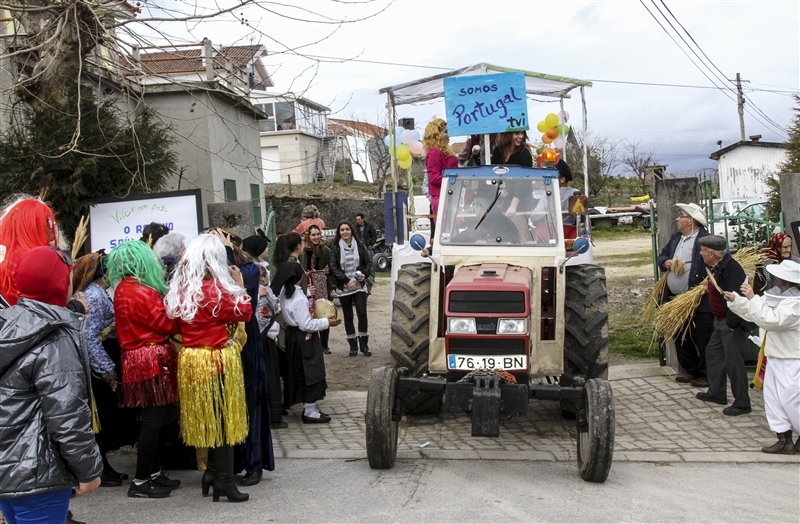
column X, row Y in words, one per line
column 657, row 420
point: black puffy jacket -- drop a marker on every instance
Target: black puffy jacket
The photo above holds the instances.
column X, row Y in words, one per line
column 46, row 439
column 364, row 263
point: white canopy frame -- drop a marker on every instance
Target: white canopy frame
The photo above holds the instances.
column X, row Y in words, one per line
column 536, row 84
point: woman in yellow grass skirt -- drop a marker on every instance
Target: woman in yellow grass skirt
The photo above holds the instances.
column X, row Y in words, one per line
column 205, row 295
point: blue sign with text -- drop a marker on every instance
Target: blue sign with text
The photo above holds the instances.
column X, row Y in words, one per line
column 486, row 104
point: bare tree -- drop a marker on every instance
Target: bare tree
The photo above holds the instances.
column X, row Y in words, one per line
column 638, row 161
column 603, row 160
column 368, row 152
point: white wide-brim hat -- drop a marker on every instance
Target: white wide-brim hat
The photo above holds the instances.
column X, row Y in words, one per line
column 788, row 270
column 694, row 211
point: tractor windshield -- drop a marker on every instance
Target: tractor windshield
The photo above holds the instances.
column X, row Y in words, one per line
column 511, row 211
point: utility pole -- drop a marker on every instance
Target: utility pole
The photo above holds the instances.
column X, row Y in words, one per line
column 740, row 103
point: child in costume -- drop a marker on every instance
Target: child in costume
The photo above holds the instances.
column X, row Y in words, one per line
column 205, row 295
column 148, row 361
column 306, row 366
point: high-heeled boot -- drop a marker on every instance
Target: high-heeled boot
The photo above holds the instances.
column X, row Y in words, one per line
column 223, row 483
column 363, row 340
column 353, row 346
column 209, row 474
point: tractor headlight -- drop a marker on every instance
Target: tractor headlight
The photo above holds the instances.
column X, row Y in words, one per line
column 461, row 325
column 512, row 326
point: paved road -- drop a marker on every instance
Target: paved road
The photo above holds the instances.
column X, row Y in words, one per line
column 675, row 459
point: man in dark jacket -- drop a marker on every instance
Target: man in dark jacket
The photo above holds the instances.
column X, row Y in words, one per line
column 366, row 232
column 683, row 276
column 725, row 350
column 46, row 442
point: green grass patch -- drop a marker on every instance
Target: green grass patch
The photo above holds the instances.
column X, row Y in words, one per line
column 631, row 341
column 617, row 232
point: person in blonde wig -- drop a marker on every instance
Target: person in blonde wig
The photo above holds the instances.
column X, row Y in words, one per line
column 207, row 298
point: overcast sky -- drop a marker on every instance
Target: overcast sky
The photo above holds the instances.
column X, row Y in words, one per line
column 608, row 41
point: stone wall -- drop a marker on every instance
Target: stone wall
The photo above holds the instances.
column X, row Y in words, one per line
column 289, row 211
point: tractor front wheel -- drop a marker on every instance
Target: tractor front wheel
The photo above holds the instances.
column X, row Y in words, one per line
column 381, row 429
column 596, row 437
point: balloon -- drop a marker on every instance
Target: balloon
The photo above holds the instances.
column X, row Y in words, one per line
column 391, row 151
column 563, row 117
column 416, row 148
column 404, row 164
column 402, row 153
column 551, row 120
column 558, row 142
column 546, row 139
column 552, row 133
column 398, row 132
column 542, row 126
column 417, row 136
column 386, row 140
column 563, row 129
column 407, row 136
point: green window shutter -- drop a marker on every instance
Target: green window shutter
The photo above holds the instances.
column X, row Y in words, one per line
column 229, row 188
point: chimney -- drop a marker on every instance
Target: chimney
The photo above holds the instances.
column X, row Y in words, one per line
column 755, row 138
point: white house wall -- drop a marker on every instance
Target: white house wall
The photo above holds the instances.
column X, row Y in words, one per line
column 358, row 153
column 743, row 171
column 297, row 156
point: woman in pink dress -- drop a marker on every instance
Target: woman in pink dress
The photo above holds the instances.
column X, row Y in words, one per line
column 438, row 157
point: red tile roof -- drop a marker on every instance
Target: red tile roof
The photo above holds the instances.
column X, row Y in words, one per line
column 353, row 127
column 191, row 60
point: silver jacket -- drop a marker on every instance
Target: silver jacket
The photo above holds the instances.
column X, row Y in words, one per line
column 46, row 439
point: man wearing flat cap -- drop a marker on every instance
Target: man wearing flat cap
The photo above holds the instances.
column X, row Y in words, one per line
column 681, row 258
column 725, row 350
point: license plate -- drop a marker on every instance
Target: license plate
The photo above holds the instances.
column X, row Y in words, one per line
column 470, row 362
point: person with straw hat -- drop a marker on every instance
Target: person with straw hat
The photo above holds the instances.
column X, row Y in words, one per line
column 778, row 312
column 725, row 349
column 680, row 260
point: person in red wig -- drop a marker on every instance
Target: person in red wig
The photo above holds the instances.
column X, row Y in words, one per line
column 24, row 224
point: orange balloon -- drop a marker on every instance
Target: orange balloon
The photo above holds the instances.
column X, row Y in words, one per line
column 552, row 133
column 546, row 139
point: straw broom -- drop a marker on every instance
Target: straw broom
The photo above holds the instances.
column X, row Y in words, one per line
column 80, row 236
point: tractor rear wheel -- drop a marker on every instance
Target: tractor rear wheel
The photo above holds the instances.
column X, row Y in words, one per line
column 586, row 321
column 411, row 308
column 585, row 326
column 596, row 439
column 381, row 429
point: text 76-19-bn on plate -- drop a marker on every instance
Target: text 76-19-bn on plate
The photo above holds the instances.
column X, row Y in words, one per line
column 471, row 362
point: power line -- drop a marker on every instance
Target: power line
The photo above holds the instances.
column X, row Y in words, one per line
column 723, row 90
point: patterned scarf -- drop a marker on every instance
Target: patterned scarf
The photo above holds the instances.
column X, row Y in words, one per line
column 775, row 245
column 313, row 248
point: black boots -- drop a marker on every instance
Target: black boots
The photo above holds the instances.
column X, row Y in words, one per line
column 362, row 341
column 223, row 482
column 784, row 446
column 353, row 347
column 209, row 474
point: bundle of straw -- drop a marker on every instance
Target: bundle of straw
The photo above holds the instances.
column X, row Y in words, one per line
column 672, row 318
column 655, row 298
column 80, row 236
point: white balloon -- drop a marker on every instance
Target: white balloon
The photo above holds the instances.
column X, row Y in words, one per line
column 563, row 117
column 558, row 143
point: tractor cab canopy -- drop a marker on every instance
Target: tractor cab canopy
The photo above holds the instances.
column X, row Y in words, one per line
column 508, row 205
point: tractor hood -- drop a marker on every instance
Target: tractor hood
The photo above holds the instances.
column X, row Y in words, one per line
column 489, row 288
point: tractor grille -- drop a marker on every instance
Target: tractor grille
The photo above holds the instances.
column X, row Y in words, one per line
column 487, row 346
column 487, row 302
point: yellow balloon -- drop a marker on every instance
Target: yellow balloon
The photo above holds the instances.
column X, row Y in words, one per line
column 402, row 152
column 551, row 120
column 542, row 126
column 404, row 164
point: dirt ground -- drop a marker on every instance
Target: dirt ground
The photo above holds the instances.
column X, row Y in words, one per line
column 628, row 286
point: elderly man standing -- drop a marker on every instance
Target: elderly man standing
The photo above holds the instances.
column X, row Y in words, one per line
column 681, row 257
column 725, row 350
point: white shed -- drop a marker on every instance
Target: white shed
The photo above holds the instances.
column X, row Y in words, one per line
column 745, row 166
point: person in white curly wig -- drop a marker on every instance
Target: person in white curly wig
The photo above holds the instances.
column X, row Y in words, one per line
column 207, row 298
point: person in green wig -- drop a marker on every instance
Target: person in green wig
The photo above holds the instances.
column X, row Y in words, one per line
column 148, row 358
